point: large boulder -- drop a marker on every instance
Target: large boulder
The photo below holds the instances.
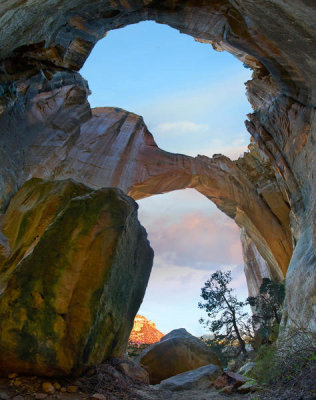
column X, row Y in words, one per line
column 177, row 352
column 196, row 379
column 72, row 277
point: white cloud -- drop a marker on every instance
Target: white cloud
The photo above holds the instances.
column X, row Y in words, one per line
column 232, row 149
column 196, row 239
column 174, row 291
column 180, row 127
column 216, row 97
column 191, row 239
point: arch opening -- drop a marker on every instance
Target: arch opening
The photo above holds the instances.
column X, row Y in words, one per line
column 193, row 101
column 191, row 239
column 191, row 98
column 142, row 169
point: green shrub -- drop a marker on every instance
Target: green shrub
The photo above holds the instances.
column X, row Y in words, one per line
column 134, row 349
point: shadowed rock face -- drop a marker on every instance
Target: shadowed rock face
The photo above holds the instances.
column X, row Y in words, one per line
column 62, row 33
column 255, row 266
column 73, row 278
column 44, row 108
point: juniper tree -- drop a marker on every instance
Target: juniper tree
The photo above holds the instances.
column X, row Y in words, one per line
column 268, row 305
column 226, row 314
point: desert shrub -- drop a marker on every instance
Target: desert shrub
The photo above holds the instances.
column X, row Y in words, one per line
column 288, row 367
column 224, row 351
column 134, row 349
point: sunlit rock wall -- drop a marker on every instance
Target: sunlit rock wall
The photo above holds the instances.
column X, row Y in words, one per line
column 144, row 331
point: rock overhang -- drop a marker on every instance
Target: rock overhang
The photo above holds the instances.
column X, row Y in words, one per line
column 66, row 31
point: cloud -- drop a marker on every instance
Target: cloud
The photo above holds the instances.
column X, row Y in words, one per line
column 202, row 120
column 191, row 239
column 174, row 291
column 180, row 127
column 195, row 239
column 172, row 297
column 198, row 102
column 233, row 148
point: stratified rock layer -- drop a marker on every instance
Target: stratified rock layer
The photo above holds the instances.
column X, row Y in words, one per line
column 144, row 331
column 74, row 277
column 44, row 43
column 255, row 266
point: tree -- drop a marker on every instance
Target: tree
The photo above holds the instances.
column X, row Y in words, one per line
column 268, row 305
column 226, row 313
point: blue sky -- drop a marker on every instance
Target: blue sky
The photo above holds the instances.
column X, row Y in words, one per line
column 193, row 101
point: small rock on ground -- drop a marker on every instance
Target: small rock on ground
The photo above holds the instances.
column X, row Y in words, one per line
column 40, row 396
column 48, row 388
column 98, row 396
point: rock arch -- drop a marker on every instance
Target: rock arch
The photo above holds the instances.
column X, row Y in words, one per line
column 115, row 148
column 270, row 192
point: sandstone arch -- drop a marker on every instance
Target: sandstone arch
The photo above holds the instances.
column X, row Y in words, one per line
column 42, row 96
column 114, row 148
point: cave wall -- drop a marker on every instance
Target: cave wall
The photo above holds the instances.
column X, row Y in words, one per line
column 42, row 96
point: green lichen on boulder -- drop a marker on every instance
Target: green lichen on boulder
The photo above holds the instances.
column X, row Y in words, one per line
column 74, row 280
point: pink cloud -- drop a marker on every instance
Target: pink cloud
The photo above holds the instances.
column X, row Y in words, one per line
column 196, row 239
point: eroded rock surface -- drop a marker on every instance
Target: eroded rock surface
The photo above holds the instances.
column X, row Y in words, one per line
column 255, row 267
column 74, row 278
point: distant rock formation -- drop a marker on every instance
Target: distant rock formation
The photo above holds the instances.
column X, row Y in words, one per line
column 144, row 331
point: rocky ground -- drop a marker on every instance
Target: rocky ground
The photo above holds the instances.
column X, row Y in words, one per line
column 106, row 382
column 31, row 388
column 207, row 394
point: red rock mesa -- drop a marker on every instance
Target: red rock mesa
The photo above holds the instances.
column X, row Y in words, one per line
column 145, row 331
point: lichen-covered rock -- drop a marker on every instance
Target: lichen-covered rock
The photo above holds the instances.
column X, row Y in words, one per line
column 76, row 274
column 177, row 352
